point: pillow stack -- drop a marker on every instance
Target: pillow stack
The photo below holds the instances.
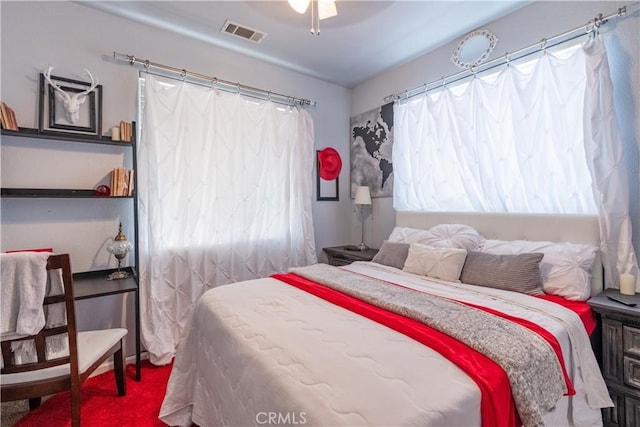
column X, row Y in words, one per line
column 438, row 252
column 458, row 253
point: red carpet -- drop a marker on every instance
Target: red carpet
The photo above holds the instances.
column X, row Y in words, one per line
column 101, row 405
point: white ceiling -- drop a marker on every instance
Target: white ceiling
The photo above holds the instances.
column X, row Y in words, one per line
column 365, row 39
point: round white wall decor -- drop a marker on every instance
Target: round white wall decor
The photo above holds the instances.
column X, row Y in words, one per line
column 474, row 49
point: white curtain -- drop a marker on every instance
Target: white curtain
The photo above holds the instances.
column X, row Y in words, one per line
column 538, row 137
column 603, row 146
column 225, row 190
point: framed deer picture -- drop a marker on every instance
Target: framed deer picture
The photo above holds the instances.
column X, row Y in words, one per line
column 69, row 106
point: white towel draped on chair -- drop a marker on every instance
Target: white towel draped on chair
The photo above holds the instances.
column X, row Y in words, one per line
column 25, row 284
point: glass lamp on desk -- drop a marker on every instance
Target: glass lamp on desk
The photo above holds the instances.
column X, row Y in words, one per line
column 119, row 248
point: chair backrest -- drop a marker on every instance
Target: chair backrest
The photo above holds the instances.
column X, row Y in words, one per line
column 62, row 263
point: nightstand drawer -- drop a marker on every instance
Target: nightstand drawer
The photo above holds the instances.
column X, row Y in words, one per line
column 632, row 372
column 631, row 339
column 632, row 411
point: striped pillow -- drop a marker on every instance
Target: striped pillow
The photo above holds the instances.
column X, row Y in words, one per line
column 518, row 273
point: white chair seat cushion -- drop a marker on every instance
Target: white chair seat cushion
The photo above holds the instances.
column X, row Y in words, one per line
column 91, row 346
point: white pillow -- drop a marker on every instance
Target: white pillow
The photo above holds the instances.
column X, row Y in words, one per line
column 565, row 267
column 409, row 235
column 457, row 236
column 441, row 263
column 442, row 236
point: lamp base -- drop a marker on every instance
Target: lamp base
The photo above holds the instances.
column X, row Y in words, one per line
column 118, row 275
column 363, row 247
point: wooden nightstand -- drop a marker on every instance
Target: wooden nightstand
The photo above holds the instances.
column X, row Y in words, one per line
column 339, row 255
column 620, row 356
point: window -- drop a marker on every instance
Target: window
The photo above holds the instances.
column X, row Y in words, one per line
column 509, row 141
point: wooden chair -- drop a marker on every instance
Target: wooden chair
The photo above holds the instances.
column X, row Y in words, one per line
column 87, row 351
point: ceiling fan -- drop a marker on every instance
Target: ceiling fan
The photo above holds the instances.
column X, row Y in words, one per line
column 323, row 9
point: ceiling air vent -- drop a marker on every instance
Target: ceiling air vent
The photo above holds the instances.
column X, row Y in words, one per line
column 243, row 31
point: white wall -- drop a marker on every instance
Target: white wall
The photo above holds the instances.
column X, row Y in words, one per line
column 72, row 37
column 519, row 29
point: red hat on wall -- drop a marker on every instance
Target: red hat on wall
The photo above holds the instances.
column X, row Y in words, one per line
column 329, row 164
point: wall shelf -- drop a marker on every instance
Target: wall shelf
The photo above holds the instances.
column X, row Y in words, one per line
column 60, row 136
column 54, row 193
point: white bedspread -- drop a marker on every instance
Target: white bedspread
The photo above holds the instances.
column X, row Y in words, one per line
column 262, row 348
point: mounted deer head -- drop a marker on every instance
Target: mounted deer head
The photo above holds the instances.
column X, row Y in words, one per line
column 71, row 101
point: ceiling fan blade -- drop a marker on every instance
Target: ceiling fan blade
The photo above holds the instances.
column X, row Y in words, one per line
column 327, row 9
column 299, row 6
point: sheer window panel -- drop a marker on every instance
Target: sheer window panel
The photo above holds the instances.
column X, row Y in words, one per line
column 225, row 189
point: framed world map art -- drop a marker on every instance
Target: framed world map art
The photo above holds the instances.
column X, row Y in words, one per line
column 371, row 144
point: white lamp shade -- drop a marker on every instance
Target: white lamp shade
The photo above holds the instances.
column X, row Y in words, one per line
column 363, row 197
column 299, row 6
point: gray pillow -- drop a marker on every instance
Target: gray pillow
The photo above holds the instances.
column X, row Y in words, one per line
column 392, row 254
column 518, row 273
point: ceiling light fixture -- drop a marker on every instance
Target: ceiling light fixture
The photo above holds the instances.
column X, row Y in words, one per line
column 322, row 9
column 299, row 6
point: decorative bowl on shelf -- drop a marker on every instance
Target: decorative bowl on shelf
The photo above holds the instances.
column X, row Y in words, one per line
column 103, row 191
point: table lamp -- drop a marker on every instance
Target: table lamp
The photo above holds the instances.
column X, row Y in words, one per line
column 119, row 247
column 363, row 198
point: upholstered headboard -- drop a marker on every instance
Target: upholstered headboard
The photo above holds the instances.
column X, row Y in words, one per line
column 555, row 228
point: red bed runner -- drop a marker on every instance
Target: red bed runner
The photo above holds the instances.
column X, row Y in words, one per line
column 581, row 308
column 497, row 406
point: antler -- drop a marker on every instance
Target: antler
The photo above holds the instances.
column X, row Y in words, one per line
column 47, row 76
column 93, row 83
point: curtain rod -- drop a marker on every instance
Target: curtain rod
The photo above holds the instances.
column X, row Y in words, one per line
column 588, row 28
column 222, row 84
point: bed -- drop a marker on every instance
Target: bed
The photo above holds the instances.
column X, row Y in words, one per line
column 364, row 345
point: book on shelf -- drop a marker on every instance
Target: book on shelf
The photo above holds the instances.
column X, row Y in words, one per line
column 4, row 116
column 125, row 131
column 130, row 184
column 8, row 117
column 121, row 182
